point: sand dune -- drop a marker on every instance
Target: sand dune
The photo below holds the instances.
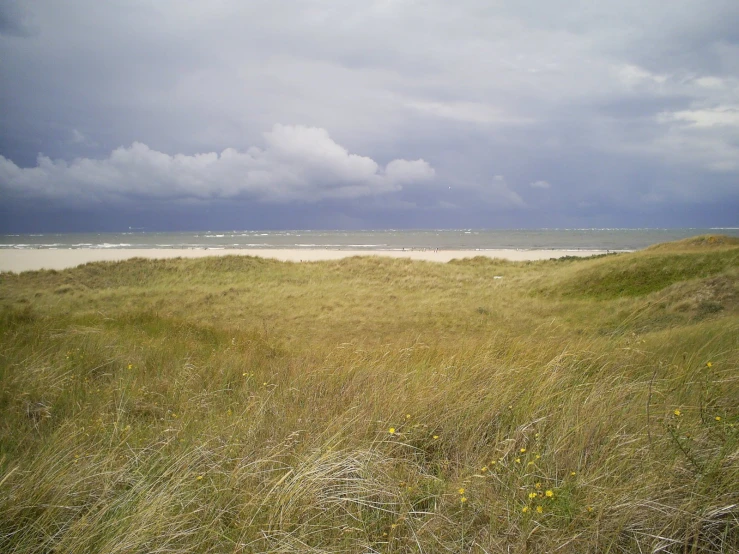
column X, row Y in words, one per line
column 28, row 260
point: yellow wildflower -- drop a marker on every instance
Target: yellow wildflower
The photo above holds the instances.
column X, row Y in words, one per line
column 199, row 478
column 549, row 494
column 436, row 437
column 573, row 473
column 461, row 491
column 530, row 464
column 717, row 418
column 407, row 416
column 518, row 460
column 539, row 509
column 463, row 499
column 532, row 495
column 391, row 430
column 523, row 450
column 484, row 469
column 538, row 456
column 130, row 366
column 709, row 364
column 677, row 413
column 537, row 486
column 525, row 509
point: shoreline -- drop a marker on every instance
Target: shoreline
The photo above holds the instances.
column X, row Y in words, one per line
column 17, row 261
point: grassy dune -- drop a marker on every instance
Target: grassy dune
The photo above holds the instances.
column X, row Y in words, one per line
column 373, row 405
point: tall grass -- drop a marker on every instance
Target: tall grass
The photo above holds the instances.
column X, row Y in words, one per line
column 372, row 405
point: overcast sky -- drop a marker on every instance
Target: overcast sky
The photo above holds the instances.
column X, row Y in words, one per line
column 249, row 114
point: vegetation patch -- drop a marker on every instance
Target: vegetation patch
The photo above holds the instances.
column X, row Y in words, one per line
column 643, row 273
column 373, row 405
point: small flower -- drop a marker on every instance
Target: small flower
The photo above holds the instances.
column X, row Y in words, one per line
column 461, row 491
column 463, row 499
column 522, row 450
column 538, row 456
column 709, row 364
column 393, row 525
column 130, row 366
column 484, row 469
column 677, row 413
column 532, row 495
column 536, row 436
column 590, row 508
column 436, row 437
column 229, row 412
column 530, row 464
column 391, row 430
column 199, row 478
column 518, row 460
column 573, row 473
column 525, row 509
column 537, row 486
column 539, row 509
column 407, row 416
column 717, row 418
column 549, row 494
column 243, row 374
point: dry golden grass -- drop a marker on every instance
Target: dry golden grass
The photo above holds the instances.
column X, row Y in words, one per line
column 246, row 405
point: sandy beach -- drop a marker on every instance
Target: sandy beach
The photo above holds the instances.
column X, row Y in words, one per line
column 30, row 260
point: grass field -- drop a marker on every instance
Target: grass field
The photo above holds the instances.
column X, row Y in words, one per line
column 372, row 405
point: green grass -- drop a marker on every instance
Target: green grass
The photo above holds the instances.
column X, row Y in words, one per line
column 244, row 405
column 641, row 275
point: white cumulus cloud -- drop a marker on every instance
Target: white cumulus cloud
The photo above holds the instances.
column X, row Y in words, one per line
column 297, row 163
column 468, row 112
column 540, row 185
column 714, row 117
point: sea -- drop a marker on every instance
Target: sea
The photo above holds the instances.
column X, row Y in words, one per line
column 385, row 239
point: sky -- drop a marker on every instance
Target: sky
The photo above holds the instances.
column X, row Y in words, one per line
column 327, row 114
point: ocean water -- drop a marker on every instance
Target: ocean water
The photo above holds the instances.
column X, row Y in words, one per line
column 389, row 239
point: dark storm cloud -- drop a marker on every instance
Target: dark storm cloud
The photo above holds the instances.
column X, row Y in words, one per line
column 14, row 19
column 623, row 108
